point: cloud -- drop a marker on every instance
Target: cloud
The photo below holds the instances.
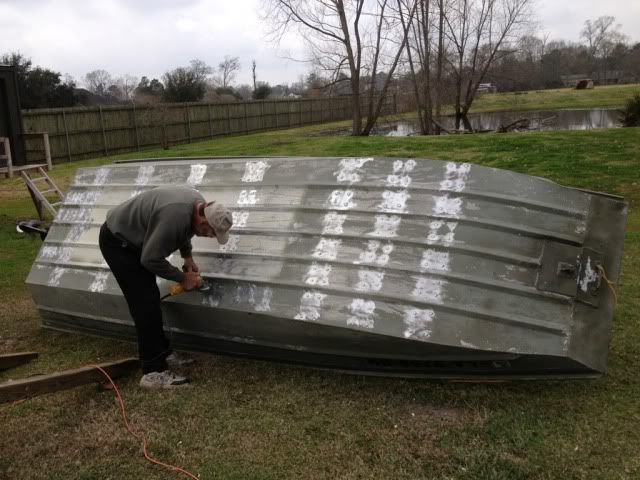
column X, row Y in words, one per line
column 140, row 37
column 145, row 37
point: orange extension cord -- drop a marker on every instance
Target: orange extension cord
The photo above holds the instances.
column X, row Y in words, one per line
column 140, row 436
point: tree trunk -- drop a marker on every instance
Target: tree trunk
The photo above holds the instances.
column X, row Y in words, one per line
column 438, row 90
column 356, row 113
column 466, row 123
column 428, row 106
column 458, row 120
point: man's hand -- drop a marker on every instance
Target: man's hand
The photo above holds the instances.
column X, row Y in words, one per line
column 191, row 280
column 189, row 265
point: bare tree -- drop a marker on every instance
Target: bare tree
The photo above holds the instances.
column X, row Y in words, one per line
column 98, row 82
column 439, row 62
column 228, row 69
column 598, row 32
column 419, row 47
column 127, row 84
column 361, row 40
column 601, row 36
column 479, row 32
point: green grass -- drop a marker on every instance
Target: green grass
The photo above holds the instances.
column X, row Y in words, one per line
column 256, row 420
column 611, row 96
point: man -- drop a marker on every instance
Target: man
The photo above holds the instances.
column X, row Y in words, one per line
column 135, row 240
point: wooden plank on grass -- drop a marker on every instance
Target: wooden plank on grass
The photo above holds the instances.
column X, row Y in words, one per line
column 37, row 385
column 11, row 360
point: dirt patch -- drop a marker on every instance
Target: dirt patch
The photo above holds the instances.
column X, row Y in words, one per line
column 19, row 323
column 442, row 414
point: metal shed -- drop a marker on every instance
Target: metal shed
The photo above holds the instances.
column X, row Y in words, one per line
column 390, row 266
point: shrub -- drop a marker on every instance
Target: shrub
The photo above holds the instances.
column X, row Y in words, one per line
column 630, row 114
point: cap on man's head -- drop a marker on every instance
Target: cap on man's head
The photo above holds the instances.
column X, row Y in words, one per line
column 220, row 219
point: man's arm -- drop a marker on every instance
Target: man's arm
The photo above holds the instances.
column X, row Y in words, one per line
column 159, row 266
column 185, row 250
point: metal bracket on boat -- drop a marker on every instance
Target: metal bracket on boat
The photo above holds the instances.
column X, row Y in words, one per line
column 571, row 271
column 589, row 278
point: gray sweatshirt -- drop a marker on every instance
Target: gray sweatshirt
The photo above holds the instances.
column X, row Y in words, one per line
column 157, row 222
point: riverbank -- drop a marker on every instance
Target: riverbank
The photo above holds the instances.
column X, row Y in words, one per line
column 610, row 96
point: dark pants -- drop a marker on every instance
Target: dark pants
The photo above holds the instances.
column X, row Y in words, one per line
column 143, row 298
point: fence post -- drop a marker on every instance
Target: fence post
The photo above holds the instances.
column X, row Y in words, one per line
column 47, row 150
column 165, row 141
column 135, row 125
column 228, row 120
column 104, row 135
column 275, row 109
column 210, row 121
column 188, row 121
column 66, row 133
column 246, row 121
column 395, row 104
column 262, row 127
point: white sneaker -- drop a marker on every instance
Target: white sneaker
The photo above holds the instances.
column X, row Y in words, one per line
column 166, row 379
column 176, row 360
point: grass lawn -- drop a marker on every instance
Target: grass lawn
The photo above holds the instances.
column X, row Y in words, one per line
column 245, row 419
column 610, row 96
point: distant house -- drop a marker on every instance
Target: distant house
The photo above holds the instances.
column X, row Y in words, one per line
column 612, row 77
column 572, row 81
column 609, row 77
column 487, row 88
column 86, row 98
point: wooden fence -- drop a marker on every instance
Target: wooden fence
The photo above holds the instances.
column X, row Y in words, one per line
column 80, row 132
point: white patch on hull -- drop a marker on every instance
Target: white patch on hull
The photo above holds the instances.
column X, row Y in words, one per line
column 590, row 276
column 231, row 245
column 400, row 177
column 239, row 219
column 310, row 305
column 54, row 277
column 362, row 313
column 434, row 260
column 265, row 303
column 254, row 171
column 99, row 282
column 372, row 256
column 349, row 171
column 468, row 345
column 369, row 281
column 318, row 274
column 196, row 174
column 247, row 197
column 332, row 223
column 428, row 289
column 341, row 200
column 327, row 249
column 386, row 226
column 394, row 202
column 418, row 322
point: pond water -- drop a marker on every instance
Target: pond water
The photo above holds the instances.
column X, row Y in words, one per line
column 586, row 119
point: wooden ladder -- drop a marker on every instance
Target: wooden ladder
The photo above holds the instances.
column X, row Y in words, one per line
column 39, row 197
column 6, row 156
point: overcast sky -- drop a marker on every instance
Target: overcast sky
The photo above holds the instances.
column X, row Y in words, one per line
column 150, row 37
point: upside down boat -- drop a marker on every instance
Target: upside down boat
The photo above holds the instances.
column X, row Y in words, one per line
column 385, row 266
